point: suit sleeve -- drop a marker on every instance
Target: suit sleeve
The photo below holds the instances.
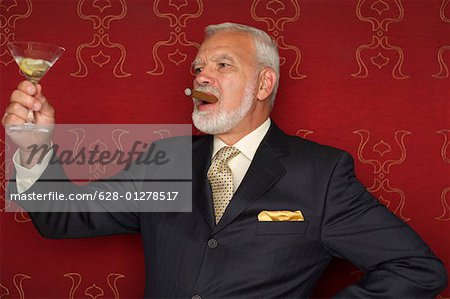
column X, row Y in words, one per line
column 58, row 225
column 396, row 261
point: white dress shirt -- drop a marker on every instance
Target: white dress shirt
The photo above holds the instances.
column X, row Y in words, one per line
column 247, row 147
column 25, row 178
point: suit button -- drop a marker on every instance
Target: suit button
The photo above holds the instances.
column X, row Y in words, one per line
column 196, row 297
column 212, row 243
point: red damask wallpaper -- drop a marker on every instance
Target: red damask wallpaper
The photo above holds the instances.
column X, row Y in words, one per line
column 367, row 76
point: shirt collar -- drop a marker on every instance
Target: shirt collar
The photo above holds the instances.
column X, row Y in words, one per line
column 248, row 144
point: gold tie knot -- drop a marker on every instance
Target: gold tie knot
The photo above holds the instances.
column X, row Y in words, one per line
column 226, row 153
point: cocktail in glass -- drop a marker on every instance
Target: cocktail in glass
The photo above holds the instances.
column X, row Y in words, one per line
column 34, row 60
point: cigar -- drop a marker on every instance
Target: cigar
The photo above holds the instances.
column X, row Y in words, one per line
column 200, row 95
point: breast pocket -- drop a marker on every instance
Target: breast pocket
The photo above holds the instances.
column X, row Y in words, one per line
column 281, row 227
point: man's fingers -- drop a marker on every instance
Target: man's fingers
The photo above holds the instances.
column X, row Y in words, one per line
column 27, row 87
column 27, row 97
column 17, row 110
column 38, row 89
column 12, row 119
column 46, row 110
column 46, row 114
column 25, row 100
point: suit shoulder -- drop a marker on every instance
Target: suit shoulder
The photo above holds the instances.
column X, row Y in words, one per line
column 310, row 145
column 314, row 150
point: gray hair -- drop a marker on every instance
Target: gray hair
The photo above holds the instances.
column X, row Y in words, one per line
column 266, row 49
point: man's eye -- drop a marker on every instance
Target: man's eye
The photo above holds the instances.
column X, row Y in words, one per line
column 197, row 70
column 223, row 64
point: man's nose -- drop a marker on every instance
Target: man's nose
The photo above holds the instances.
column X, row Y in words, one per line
column 204, row 77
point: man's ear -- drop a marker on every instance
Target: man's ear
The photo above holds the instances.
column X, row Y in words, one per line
column 267, row 79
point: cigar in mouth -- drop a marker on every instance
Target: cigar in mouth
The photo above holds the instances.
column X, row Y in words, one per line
column 200, row 95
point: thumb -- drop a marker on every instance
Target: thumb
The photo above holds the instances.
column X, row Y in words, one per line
column 46, row 114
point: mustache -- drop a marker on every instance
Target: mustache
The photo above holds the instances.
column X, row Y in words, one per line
column 209, row 89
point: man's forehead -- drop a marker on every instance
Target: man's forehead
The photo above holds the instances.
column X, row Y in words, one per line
column 226, row 45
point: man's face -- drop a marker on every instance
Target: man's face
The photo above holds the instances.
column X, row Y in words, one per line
column 226, row 67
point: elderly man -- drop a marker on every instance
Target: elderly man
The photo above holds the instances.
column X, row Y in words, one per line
column 269, row 210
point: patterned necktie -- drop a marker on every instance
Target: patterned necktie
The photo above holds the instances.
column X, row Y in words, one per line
column 221, row 179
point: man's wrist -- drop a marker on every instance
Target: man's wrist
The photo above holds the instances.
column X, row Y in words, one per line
column 31, row 156
column 26, row 177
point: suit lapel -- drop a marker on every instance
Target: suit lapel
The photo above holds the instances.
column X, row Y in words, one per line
column 264, row 171
column 201, row 191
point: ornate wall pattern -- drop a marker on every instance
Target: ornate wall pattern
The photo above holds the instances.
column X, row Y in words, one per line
column 380, row 53
column 101, row 50
column 18, row 289
column 394, row 198
column 445, row 194
column 11, row 12
column 178, row 13
column 128, row 61
column 93, row 291
column 444, row 15
column 276, row 14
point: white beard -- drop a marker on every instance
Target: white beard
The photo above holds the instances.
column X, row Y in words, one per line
column 221, row 121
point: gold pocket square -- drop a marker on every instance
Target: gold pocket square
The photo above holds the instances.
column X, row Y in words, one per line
column 280, row 216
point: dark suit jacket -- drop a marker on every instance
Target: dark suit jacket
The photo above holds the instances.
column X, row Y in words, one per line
column 187, row 254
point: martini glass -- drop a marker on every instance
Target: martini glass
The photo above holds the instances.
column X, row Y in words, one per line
column 34, row 60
